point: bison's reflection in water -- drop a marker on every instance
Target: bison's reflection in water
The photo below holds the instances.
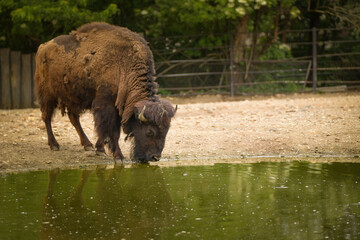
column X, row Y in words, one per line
column 108, row 204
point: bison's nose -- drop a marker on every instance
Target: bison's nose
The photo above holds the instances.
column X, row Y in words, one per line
column 156, row 158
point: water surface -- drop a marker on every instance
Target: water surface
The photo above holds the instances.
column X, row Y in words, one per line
column 296, row 200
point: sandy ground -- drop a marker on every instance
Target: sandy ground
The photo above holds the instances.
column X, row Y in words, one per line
column 312, row 127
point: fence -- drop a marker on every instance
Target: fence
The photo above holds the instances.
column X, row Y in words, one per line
column 17, row 71
column 319, row 59
column 217, row 76
column 316, row 59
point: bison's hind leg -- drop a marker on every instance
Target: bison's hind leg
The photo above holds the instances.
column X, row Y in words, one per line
column 75, row 121
column 47, row 110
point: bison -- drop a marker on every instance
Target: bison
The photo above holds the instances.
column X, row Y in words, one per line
column 109, row 70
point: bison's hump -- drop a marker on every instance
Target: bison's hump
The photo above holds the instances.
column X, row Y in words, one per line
column 69, row 42
column 105, row 32
column 86, row 28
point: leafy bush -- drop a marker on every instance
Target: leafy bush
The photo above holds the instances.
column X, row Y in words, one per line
column 28, row 23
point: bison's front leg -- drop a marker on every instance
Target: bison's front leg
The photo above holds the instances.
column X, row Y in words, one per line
column 100, row 150
column 74, row 119
column 114, row 145
column 107, row 124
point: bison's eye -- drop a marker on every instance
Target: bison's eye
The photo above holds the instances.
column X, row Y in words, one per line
column 150, row 132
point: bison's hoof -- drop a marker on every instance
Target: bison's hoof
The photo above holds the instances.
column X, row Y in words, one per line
column 118, row 161
column 89, row 148
column 155, row 158
column 55, row 148
column 101, row 153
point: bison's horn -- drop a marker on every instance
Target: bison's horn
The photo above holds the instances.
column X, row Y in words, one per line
column 141, row 115
column 176, row 108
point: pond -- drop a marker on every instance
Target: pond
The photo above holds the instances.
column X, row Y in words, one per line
column 283, row 200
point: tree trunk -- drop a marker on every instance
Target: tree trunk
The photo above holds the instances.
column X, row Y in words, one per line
column 253, row 45
column 240, row 38
column 239, row 48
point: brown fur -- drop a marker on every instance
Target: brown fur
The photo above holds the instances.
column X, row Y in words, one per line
column 100, row 66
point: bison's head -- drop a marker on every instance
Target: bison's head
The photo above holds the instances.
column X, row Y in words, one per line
column 147, row 129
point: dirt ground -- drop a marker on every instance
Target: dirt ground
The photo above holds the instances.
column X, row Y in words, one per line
column 306, row 126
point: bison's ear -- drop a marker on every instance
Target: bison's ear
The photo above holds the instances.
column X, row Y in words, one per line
column 168, row 108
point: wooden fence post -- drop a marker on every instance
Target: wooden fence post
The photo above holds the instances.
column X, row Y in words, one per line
column 15, row 59
column 33, row 68
column 5, row 78
column 26, row 88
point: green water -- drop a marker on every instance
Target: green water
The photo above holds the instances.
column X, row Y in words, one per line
column 225, row 201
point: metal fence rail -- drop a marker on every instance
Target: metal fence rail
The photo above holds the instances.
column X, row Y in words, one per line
column 207, row 75
column 322, row 67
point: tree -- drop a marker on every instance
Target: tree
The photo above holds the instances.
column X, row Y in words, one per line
column 189, row 17
column 243, row 19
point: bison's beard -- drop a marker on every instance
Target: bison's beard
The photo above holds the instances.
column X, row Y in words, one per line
column 135, row 155
column 138, row 155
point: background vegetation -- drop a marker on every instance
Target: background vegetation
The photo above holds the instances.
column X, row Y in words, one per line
column 195, row 29
column 27, row 23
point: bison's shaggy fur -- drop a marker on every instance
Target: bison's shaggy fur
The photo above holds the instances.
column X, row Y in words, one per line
column 107, row 69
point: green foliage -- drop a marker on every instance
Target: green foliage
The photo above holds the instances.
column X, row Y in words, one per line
column 164, row 92
column 269, row 88
column 32, row 22
column 193, row 16
column 277, row 51
column 209, row 17
column 27, row 23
